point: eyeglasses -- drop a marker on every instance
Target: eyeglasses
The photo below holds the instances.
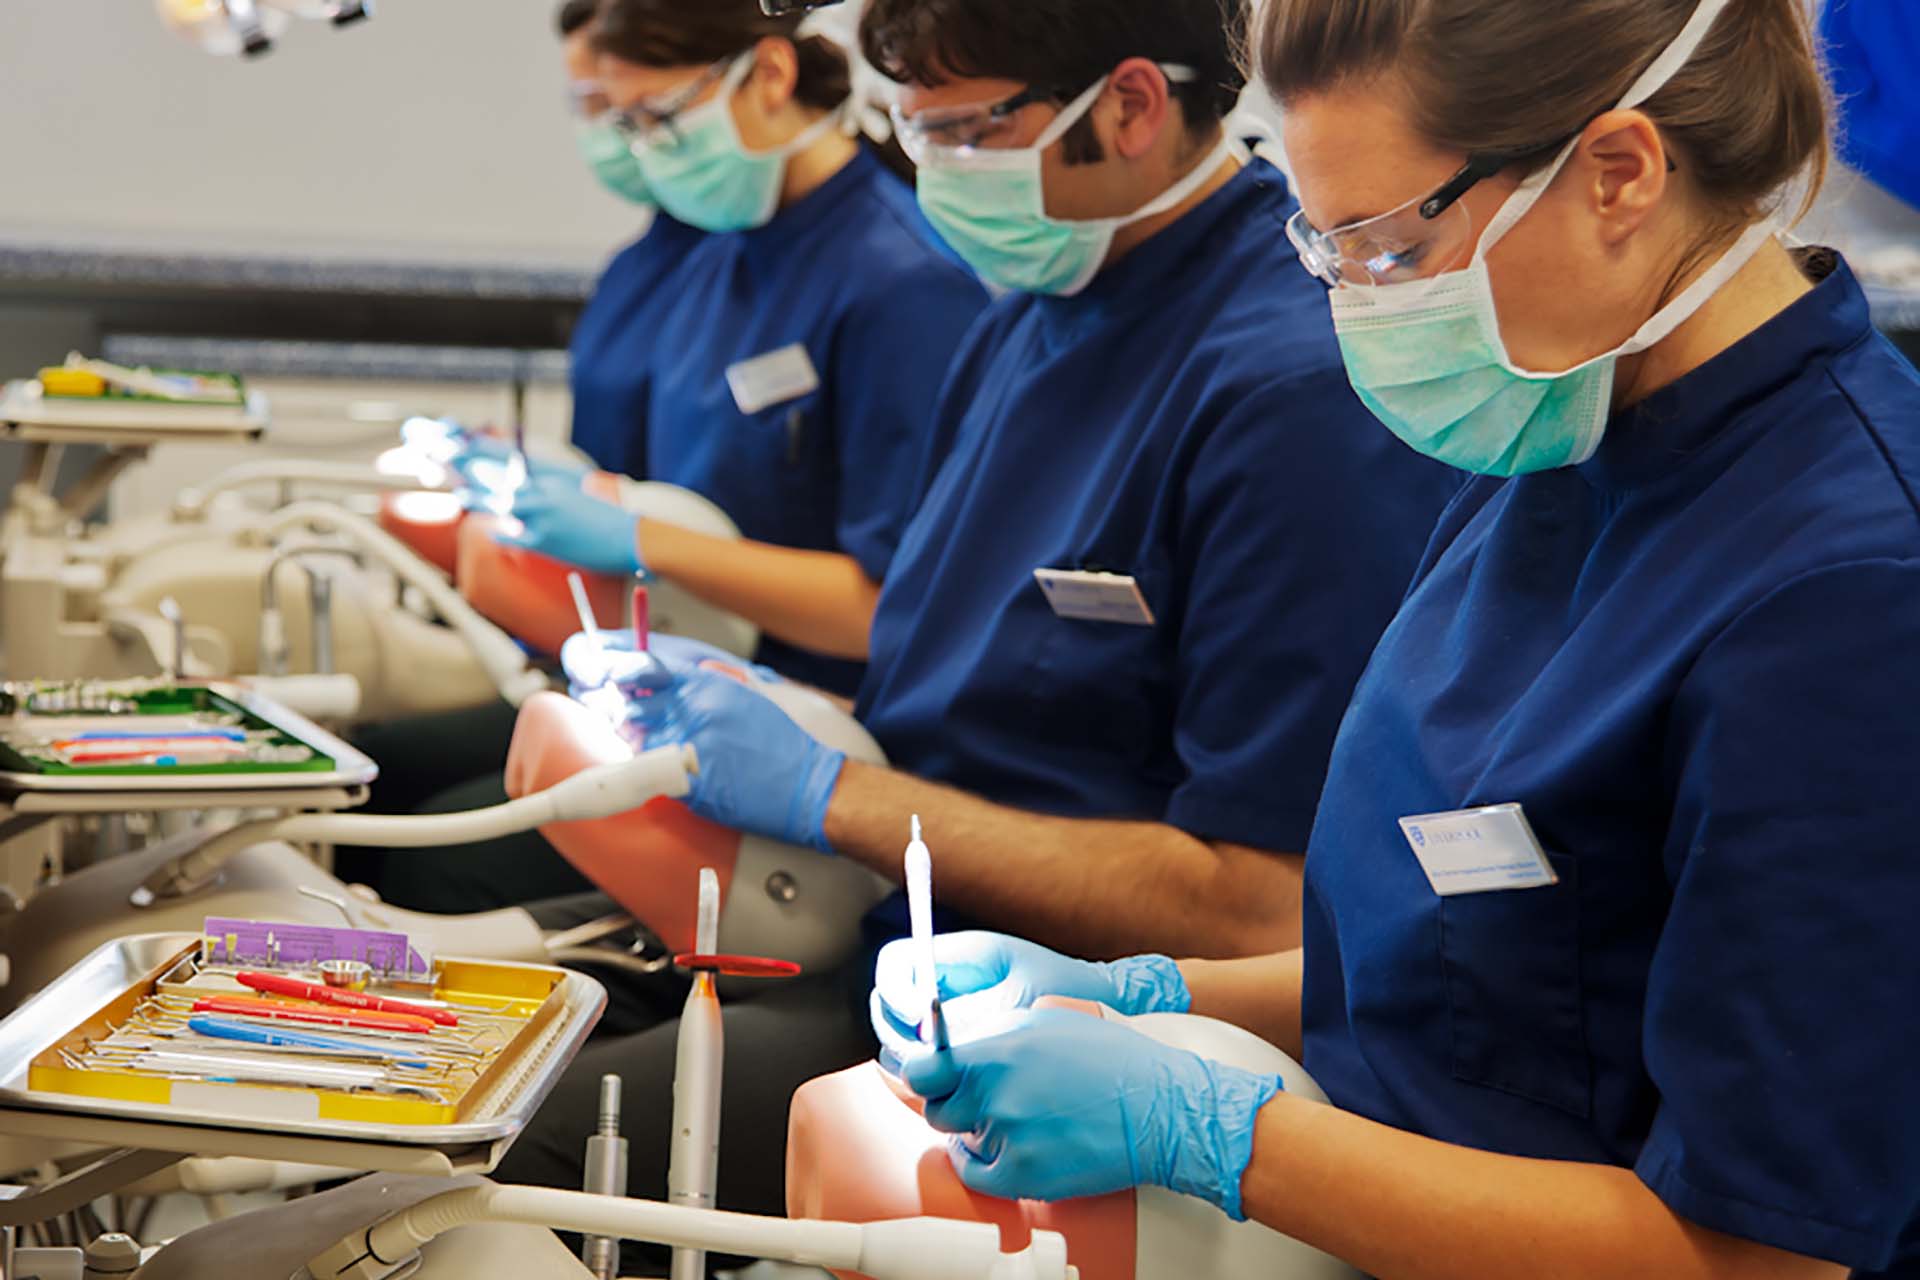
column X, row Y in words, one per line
column 961, row 128
column 1422, row 238
column 979, row 125
column 648, row 119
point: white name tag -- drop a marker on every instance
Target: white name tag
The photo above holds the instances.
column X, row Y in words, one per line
column 1478, row 850
column 1095, row 597
column 774, row 378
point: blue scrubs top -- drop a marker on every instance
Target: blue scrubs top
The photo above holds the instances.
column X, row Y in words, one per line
column 609, row 383
column 1873, row 49
column 851, row 274
column 1692, row 660
column 1186, row 421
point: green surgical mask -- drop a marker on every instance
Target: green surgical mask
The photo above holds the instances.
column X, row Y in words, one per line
column 608, row 153
column 702, row 174
column 991, row 207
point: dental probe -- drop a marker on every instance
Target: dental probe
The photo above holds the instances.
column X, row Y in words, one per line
column 589, row 624
column 926, row 977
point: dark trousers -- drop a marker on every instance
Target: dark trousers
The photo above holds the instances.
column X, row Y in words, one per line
column 778, row 1037
column 448, row 764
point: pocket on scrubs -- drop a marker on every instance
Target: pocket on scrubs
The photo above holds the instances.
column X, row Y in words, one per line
column 1100, row 685
column 1512, row 963
column 783, row 434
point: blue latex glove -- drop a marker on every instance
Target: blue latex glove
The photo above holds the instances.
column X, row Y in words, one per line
column 984, row 976
column 483, row 462
column 489, row 483
column 759, row 771
column 556, row 519
column 1060, row 1105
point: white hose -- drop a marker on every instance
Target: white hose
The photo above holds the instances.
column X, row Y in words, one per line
column 911, row 1249
column 193, row 503
column 600, row 792
column 503, row 660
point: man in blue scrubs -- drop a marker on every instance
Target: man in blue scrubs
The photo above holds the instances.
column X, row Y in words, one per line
column 1114, row 649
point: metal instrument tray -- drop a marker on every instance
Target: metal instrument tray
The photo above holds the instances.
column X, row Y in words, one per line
column 492, row 1114
column 350, row 769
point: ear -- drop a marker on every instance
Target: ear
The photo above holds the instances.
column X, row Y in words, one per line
column 1625, row 172
column 776, row 75
column 1139, row 106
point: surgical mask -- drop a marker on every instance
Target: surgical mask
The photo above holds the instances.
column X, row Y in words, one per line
column 604, row 146
column 1427, row 356
column 991, row 207
column 701, row 173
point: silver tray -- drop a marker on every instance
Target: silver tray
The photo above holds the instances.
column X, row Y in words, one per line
column 352, row 768
column 499, row 1113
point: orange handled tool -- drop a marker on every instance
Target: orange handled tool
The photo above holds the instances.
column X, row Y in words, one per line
column 318, row 1014
column 278, row 985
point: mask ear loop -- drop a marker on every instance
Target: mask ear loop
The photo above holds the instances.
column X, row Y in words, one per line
column 1075, row 112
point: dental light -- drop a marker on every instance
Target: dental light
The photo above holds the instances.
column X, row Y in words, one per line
column 249, row 28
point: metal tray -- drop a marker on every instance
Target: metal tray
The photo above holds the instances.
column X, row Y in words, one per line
column 499, row 1113
column 352, row 769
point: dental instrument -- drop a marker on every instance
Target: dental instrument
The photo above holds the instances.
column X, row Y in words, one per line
column 240, row 1032
column 589, row 625
column 693, row 1169
column 918, row 864
column 280, row 985
column 312, row 1014
column 606, row 1176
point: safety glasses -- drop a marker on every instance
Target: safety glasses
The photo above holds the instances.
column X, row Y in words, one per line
column 1425, row 237
column 984, row 125
column 653, row 120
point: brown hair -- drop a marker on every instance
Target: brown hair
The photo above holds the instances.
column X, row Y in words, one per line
column 687, row 33
column 1745, row 118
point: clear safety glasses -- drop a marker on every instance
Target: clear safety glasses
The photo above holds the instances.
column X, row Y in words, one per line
column 653, row 120
column 1423, row 238
column 982, row 126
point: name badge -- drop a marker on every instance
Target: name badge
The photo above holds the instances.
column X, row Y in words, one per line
column 1095, row 597
column 1478, row 851
column 774, row 378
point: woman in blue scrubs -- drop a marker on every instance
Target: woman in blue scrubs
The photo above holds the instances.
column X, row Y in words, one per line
column 785, row 363
column 1609, row 965
column 775, row 343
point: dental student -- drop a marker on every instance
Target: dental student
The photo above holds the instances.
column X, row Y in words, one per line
column 1658, row 1019
column 1111, row 657
column 778, row 351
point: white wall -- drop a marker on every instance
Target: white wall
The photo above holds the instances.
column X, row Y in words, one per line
column 435, row 132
